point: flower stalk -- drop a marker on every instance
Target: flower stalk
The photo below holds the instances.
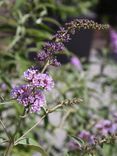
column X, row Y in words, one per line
column 9, row 149
column 5, row 129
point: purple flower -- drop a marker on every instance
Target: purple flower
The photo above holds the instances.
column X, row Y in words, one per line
column 103, row 127
column 113, row 40
column 36, row 79
column 44, row 81
column 30, row 95
column 113, row 129
column 87, row 136
column 84, row 135
column 3, row 86
column 76, row 62
column 91, row 140
column 30, row 73
column 17, row 91
column 49, row 50
column 73, row 146
column 103, row 124
column 53, row 47
column 54, row 62
column 115, row 117
column 27, row 96
column 62, row 35
column 47, row 81
column 21, row 93
column 37, row 100
column 107, row 123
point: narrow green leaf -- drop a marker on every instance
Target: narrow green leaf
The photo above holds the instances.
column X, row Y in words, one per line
column 38, row 33
column 78, row 140
column 51, row 20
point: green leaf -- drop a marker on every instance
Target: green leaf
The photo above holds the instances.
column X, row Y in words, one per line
column 47, row 5
column 19, row 3
column 33, row 145
column 22, row 63
column 2, row 140
column 38, row 33
column 78, row 140
column 51, row 20
column 6, row 80
column 43, row 13
column 19, row 108
column 45, row 27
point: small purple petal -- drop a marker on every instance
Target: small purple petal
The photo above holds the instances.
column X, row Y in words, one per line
column 76, row 62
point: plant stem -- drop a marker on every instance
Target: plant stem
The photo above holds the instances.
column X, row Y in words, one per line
column 36, row 124
column 5, row 130
column 65, row 117
column 44, row 68
column 30, row 129
column 9, row 149
column 47, row 111
column 11, row 143
column 19, row 124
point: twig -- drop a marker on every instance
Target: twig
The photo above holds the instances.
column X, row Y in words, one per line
column 36, row 124
column 5, row 129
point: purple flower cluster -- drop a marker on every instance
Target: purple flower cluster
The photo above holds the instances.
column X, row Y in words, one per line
column 49, row 50
column 40, row 80
column 63, row 35
column 54, row 62
column 87, row 137
column 103, row 128
column 30, row 98
column 106, row 127
column 31, row 94
column 72, row 145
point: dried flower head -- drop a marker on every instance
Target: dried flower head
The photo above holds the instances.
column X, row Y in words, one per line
column 71, row 101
